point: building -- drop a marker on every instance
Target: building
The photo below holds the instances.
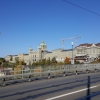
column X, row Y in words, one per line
column 39, row 53
column 8, row 57
column 59, row 54
column 88, row 51
column 32, row 56
column 82, row 53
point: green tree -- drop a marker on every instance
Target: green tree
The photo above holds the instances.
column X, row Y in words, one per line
column 22, row 62
column 42, row 62
column 6, row 64
column 48, row 62
column 77, row 62
column 17, row 60
column 2, row 60
column 11, row 58
column 60, row 63
column 54, row 60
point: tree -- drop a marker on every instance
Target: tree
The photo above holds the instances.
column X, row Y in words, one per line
column 60, row 63
column 11, row 58
column 77, row 62
column 17, row 60
column 6, row 64
column 67, row 60
column 2, row 60
column 43, row 62
column 35, row 63
column 53, row 60
column 48, row 62
column 22, row 62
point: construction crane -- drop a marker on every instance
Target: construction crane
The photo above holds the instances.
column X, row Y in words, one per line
column 63, row 40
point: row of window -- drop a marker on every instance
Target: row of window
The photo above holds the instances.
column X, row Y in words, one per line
column 34, row 59
column 33, row 55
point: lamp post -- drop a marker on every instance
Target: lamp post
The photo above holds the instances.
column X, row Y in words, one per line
column 72, row 53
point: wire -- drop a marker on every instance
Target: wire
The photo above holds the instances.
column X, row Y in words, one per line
column 82, row 7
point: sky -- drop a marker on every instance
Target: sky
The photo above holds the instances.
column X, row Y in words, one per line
column 26, row 23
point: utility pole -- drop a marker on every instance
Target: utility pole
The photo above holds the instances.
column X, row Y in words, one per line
column 72, row 53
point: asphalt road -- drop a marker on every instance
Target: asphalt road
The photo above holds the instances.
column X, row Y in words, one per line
column 74, row 87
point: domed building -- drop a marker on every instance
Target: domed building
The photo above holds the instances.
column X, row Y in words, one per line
column 83, row 52
column 39, row 53
column 42, row 46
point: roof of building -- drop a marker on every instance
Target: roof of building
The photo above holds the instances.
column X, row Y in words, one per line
column 42, row 44
column 88, row 45
column 49, row 52
column 98, row 44
column 26, row 54
column 11, row 55
column 66, row 50
column 79, row 59
column 62, row 50
column 58, row 49
column 85, row 44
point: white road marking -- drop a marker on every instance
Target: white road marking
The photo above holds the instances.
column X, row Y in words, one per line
column 71, row 93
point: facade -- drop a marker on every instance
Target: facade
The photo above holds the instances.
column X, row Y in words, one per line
column 83, row 52
column 38, row 54
column 32, row 56
column 8, row 58
column 88, row 51
column 59, row 54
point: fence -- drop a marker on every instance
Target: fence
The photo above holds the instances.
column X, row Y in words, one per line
column 49, row 71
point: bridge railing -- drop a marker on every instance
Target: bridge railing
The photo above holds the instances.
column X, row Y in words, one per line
column 50, row 71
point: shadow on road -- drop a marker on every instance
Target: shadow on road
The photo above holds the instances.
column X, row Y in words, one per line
column 87, row 97
column 89, row 94
column 88, row 90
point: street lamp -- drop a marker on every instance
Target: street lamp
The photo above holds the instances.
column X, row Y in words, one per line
column 72, row 53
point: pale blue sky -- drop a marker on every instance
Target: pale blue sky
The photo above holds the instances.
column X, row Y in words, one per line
column 25, row 23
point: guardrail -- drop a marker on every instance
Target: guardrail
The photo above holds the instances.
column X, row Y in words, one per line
column 47, row 72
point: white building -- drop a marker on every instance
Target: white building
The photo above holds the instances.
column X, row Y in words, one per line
column 88, row 51
column 83, row 52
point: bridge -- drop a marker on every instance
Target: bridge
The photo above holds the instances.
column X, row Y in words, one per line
column 81, row 82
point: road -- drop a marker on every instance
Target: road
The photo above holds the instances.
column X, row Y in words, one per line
column 73, row 87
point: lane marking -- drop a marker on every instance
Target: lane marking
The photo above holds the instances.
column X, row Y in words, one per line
column 70, row 93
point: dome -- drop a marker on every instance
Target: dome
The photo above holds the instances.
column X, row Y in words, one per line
column 43, row 44
column 30, row 48
column 39, row 47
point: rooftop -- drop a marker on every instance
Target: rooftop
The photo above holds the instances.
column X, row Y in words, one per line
column 88, row 45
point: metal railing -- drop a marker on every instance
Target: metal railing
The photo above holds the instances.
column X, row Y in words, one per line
column 50, row 71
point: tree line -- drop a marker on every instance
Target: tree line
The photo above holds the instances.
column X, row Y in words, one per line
column 48, row 61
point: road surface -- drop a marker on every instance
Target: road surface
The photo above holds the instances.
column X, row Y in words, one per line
column 73, row 87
